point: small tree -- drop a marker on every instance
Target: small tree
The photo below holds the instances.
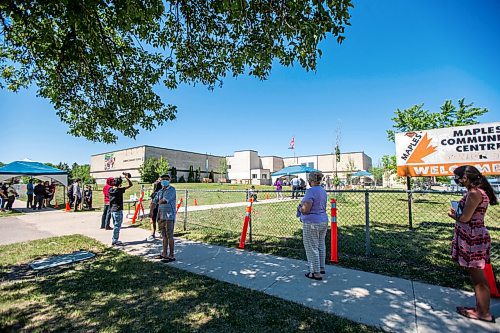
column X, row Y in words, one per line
column 182, row 180
column 416, row 118
column 148, row 170
column 162, row 166
column 211, row 175
column 197, row 175
column 223, row 167
column 350, row 168
column 191, row 175
column 173, row 175
column 82, row 172
column 378, row 174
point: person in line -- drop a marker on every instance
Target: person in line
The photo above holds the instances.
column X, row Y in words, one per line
column 39, row 192
column 87, row 195
column 471, row 243
column 166, row 200
column 116, row 206
column 3, row 199
column 46, row 196
column 76, row 193
column 106, row 213
column 279, row 188
column 52, row 193
column 11, row 196
column 303, row 186
column 3, row 194
column 313, row 215
column 295, row 187
column 29, row 192
column 252, row 193
column 153, row 210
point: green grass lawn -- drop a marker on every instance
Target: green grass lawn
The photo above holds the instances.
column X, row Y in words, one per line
column 421, row 253
column 116, row 292
column 9, row 213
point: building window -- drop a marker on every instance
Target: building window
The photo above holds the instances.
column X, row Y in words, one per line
column 311, row 165
column 229, row 166
column 264, row 176
column 254, row 175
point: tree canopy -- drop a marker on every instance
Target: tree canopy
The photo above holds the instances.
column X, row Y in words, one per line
column 416, row 118
column 99, row 62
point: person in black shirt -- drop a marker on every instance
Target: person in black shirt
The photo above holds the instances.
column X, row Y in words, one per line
column 39, row 192
column 116, row 206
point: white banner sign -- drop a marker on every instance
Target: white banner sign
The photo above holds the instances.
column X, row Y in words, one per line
column 438, row 152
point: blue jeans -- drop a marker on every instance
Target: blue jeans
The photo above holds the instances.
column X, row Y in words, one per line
column 117, row 221
column 106, row 217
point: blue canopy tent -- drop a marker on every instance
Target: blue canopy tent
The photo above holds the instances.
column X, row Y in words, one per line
column 293, row 170
column 33, row 169
column 363, row 173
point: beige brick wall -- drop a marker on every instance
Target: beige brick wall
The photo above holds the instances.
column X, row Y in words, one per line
column 130, row 160
column 114, row 163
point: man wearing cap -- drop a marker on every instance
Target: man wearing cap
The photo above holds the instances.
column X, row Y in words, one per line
column 166, row 200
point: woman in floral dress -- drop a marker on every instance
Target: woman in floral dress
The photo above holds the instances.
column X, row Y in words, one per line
column 471, row 243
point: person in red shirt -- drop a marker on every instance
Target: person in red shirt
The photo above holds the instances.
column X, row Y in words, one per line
column 106, row 213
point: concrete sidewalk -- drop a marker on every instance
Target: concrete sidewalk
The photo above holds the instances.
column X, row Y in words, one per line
column 394, row 304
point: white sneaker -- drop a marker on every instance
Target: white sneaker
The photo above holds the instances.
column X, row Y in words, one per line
column 150, row 238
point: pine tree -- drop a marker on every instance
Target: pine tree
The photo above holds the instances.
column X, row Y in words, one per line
column 173, row 175
column 191, row 175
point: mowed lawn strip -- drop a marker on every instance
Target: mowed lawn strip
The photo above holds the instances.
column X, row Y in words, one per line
column 117, row 292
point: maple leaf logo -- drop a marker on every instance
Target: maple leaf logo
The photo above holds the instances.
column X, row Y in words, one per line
column 424, row 148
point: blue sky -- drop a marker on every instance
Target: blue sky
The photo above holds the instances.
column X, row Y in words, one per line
column 396, row 54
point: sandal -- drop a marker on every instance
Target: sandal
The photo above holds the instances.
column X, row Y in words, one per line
column 472, row 314
column 311, row 276
column 160, row 257
column 167, row 260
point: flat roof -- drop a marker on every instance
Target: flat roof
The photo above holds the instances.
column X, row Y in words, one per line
column 184, row 151
column 351, row 152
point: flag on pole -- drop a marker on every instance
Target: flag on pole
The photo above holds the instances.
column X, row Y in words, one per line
column 292, row 143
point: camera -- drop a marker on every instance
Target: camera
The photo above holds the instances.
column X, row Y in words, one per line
column 127, row 175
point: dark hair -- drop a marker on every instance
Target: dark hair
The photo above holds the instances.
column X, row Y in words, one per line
column 477, row 179
column 157, row 187
column 118, row 181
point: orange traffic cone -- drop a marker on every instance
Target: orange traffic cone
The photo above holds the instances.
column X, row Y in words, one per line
column 195, row 202
column 56, row 206
column 67, row 207
column 490, row 277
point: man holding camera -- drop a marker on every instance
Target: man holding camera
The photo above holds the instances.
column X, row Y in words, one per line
column 116, row 205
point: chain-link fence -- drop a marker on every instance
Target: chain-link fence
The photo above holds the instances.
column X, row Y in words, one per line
column 398, row 232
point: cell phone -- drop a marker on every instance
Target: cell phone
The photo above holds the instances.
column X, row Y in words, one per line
column 454, row 205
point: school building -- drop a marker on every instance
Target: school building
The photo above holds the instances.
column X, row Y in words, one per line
column 243, row 167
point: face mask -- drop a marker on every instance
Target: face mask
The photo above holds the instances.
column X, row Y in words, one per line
column 165, row 183
column 457, row 181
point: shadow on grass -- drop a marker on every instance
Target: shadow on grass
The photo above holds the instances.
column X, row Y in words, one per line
column 121, row 293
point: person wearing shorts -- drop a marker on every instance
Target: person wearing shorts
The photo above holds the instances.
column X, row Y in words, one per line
column 165, row 199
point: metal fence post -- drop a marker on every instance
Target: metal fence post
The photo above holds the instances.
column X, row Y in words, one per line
column 410, row 199
column 367, row 224
column 185, row 209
